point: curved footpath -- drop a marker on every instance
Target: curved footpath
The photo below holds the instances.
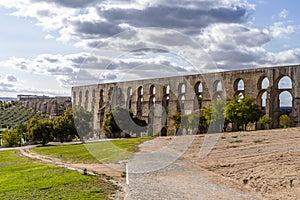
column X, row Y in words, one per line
column 159, row 172
column 156, row 172
column 113, row 171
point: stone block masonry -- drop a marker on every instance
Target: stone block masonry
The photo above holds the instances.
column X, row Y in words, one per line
column 157, row 100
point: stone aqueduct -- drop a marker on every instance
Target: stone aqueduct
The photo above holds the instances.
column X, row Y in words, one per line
column 173, row 94
column 52, row 106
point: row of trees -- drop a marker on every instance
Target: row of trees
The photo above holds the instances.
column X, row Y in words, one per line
column 239, row 112
column 4, row 104
column 43, row 130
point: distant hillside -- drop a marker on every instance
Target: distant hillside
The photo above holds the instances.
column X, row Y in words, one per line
column 15, row 115
column 7, row 99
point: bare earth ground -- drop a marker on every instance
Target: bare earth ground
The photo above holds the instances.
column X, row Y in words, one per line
column 242, row 165
column 265, row 162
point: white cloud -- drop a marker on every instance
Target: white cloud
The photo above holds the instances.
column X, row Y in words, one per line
column 48, row 37
column 11, row 78
column 232, row 46
column 82, row 20
column 283, row 14
column 281, row 30
column 220, row 27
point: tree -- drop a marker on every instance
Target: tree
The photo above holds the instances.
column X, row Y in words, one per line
column 64, row 127
column 82, row 121
column 191, row 121
column 241, row 112
column 177, row 120
column 181, row 121
column 197, row 120
column 14, row 137
column 214, row 115
column 264, row 120
column 11, row 138
column 285, row 121
column 40, row 130
column 120, row 119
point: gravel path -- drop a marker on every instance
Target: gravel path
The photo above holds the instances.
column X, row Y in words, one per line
column 158, row 172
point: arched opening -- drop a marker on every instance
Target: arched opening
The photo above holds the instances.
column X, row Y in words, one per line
column 217, row 96
column 140, row 91
column 151, row 102
column 218, row 86
column 167, row 89
column 80, row 98
column 86, row 100
column 74, row 97
column 101, row 97
column 285, row 102
column 198, row 88
column 164, row 131
column 264, row 100
column 285, row 83
column 139, row 107
column 166, row 96
column 152, row 97
column 152, row 90
column 165, row 104
column 166, row 100
column 101, row 108
column 182, row 101
column 240, row 96
column 129, row 98
column 265, row 84
column 140, row 100
column 198, row 97
column 129, row 92
column 182, row 88
column 239, row 85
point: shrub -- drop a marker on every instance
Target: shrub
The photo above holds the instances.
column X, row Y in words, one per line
column 264, row 121
column 285, row 121
column 11, row 138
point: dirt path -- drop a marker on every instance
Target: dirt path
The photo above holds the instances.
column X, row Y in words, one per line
column 158, row 171
column 242, row 165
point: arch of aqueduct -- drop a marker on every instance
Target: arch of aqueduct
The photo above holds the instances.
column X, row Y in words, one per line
column 173, row 94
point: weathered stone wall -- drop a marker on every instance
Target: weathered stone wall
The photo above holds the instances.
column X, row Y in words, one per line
column 52, row 106
column 101, row 98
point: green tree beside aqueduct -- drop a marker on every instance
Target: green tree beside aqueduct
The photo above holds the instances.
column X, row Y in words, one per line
column 242, row 111
column 237, row 111
column 125, row 122
column 64, row 127
column 41, row 130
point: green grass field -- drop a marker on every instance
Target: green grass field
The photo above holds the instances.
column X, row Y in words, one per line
column 100, row 152
column 21, row 178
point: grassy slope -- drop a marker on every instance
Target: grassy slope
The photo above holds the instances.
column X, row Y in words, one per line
column 21, row 178
column 109, row 151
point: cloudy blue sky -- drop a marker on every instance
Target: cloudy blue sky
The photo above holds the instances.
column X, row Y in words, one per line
column 45, row 44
